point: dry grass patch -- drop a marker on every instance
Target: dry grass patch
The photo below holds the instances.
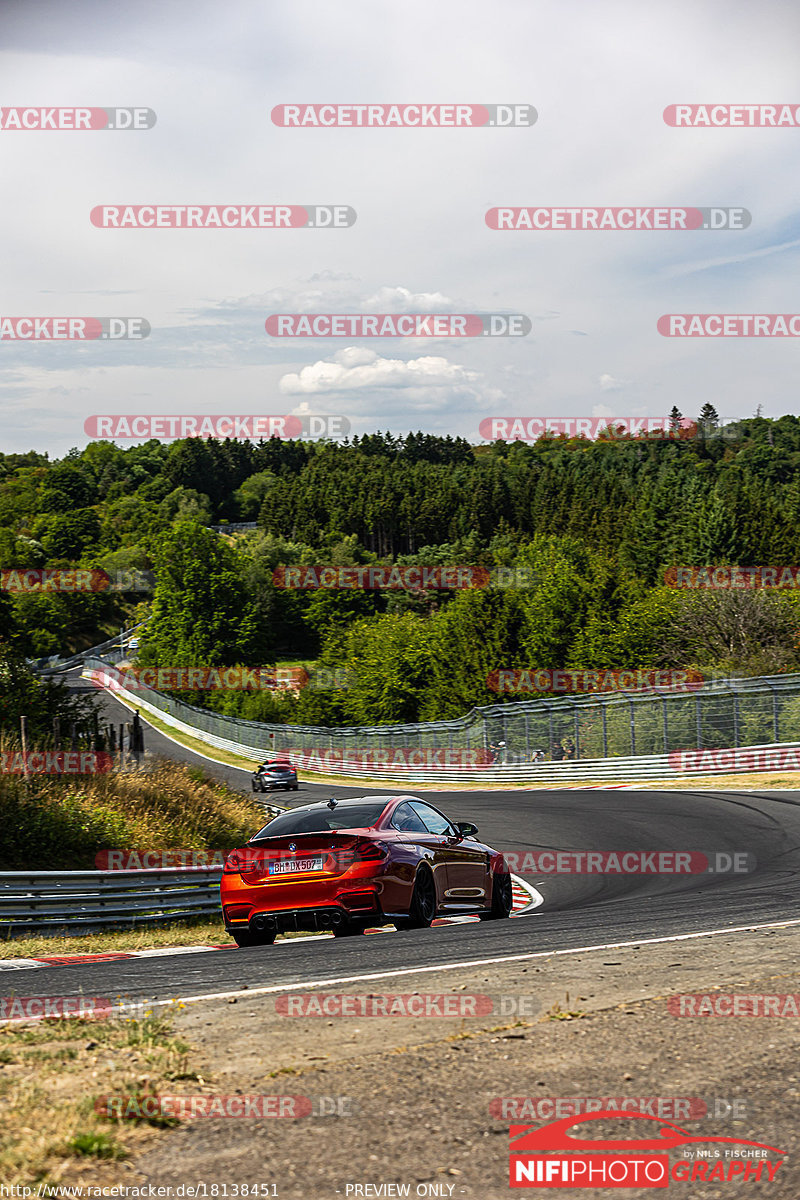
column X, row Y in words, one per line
column 195, row 933
column 762, row 781
column 60, row 823
column 52, row 1072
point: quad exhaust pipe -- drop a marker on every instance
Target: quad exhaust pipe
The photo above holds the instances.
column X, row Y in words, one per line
column 326, row 920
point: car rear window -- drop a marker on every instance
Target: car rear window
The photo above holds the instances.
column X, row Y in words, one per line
column 319, row 820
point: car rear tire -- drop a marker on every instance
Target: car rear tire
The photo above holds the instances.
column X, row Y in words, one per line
column 246, row 937
column 294, row 789
column 502, row 899
column 422, row 908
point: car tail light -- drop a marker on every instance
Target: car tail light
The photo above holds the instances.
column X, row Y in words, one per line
column 368, row 851
column 235, row 862
column 248, row 859
column 363, row 851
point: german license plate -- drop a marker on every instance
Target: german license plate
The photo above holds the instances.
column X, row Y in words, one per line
column 288, row 866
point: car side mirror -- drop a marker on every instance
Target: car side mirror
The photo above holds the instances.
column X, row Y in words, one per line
column 466, row 828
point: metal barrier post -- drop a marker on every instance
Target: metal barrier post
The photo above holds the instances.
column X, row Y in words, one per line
column 735, row 717
column 665, row 721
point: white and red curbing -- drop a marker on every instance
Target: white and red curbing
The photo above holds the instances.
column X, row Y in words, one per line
column 525, row 899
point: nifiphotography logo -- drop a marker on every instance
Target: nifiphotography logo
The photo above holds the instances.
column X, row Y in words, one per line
column 578, row 1162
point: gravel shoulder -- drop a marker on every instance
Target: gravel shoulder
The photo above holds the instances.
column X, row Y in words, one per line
column 415, row 1094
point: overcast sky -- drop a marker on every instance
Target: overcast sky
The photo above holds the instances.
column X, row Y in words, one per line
column 599, row 75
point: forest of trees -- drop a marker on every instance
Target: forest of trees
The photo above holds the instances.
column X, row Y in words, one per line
column 594, row 524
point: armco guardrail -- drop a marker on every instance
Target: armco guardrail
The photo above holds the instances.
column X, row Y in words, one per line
column 55, row 665
column 408, row 764
column 37, row 901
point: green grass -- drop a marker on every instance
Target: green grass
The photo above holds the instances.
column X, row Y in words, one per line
column 95, row 1144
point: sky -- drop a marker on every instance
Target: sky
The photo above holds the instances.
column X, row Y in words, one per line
column 599, row 77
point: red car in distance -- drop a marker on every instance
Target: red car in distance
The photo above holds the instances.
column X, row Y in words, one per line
column 354, row 863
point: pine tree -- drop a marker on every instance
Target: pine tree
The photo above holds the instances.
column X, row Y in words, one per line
column 708, row 419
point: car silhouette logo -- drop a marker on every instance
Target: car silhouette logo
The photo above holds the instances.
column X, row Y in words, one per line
column 555, row 1135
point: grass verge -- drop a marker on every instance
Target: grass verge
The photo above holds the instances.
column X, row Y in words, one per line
column 752, row 781
column 52, row 1072
column 199, row 933
column 62, row 822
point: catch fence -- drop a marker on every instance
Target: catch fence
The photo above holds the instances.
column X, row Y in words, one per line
column 576, row 735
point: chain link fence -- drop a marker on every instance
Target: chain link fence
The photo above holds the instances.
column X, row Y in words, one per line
column 722, row 714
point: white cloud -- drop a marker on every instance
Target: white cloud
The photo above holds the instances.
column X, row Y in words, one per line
column 356, row 368
column 609, row 384
column 400, row 299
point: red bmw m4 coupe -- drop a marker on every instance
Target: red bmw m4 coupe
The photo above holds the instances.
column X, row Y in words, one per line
column 355, row 863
